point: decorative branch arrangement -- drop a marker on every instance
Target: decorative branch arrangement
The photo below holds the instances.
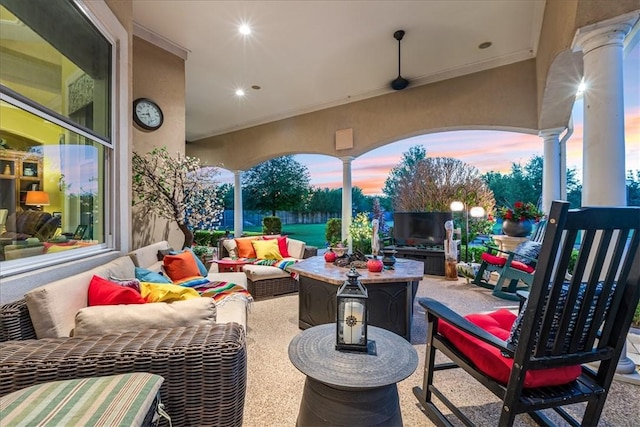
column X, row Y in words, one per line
column 178, row 189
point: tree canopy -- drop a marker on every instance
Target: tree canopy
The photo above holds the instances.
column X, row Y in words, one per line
column 421, row 183
column 277, row 184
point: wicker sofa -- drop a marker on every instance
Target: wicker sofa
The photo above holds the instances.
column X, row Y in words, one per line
column 204, row 366
column 268, row 281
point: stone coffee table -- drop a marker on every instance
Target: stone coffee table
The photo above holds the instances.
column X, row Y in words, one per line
column 391, row 293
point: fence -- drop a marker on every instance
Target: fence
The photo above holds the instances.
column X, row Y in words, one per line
column 254, row 218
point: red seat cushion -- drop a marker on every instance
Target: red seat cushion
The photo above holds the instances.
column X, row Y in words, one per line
column 501, row 261
column 494, row 260
column 489, row 359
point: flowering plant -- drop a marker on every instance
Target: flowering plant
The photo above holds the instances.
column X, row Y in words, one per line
column 520, row 212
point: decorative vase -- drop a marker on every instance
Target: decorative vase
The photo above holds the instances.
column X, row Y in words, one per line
column 388, row 258
column 517, row 228
column 330, row 256
column 374, row 265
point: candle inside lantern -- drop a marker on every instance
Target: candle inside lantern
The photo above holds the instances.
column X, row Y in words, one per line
column 352, row 323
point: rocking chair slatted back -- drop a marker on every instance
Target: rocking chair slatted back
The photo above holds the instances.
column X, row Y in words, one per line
column 572, row 314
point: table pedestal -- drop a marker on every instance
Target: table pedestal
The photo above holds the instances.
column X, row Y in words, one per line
column 351, row 389
column 325, row 405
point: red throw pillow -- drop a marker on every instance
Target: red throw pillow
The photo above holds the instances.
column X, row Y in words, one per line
column 180, row 266
column 104, row 292
column 282, row 244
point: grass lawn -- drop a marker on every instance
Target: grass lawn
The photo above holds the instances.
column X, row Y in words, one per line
column 311, row 234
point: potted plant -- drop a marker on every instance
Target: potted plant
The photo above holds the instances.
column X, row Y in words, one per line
column 518, row 221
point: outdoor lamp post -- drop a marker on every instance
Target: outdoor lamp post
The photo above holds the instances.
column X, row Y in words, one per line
column 352, row 315
column 475, row 212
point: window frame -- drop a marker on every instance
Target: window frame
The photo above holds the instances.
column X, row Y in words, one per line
column 117, row 174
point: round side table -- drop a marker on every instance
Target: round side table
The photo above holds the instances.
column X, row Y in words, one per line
column 351, row 388
column 230, row 265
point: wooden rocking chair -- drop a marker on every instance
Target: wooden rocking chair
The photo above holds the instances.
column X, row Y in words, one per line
column 513, row 274
column 535, row 362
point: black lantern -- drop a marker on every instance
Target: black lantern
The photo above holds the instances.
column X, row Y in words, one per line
column 352, row 314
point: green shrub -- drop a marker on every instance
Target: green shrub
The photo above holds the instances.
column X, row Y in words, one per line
column 475, row 253
column 333, row 230
column 207, row 237
column 271, row 225
column 636, row 317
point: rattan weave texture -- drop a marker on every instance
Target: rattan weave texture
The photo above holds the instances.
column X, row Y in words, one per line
column 15, row 323
column 272, row 287
column 204, row 367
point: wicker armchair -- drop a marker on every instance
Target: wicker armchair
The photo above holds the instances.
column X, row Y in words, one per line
column 204, row 367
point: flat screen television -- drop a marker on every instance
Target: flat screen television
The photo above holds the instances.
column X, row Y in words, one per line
column 420, row 228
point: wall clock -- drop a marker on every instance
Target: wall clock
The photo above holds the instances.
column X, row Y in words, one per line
column 147, row 114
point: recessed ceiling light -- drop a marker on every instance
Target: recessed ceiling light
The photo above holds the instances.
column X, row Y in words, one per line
column 484, row 45
column 255, row 87
column 244, row 29
column 239, row 92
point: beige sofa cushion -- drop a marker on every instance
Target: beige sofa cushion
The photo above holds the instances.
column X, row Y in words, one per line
column 295, row 248
column 148, row 255
column 263, row 272
column 105, row 319
column 53, row 307
column 233, row 311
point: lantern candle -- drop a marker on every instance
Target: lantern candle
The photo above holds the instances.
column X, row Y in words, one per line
column 352, row 323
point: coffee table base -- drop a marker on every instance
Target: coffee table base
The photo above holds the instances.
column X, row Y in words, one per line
column 325, row 405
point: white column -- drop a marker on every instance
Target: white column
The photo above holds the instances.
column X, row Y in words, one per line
column 603, row 141
column 347, row 199
column 551, row 168
column 603, row 162
column 237, row 203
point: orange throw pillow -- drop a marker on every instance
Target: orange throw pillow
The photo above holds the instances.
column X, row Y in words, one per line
column 180, row 266
column 245, row 247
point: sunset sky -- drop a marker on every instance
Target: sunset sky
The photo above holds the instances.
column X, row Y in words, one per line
column 486, row 150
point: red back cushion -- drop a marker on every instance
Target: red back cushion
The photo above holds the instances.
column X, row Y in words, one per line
column 104, row 292
column 282, row 244
column 180, row 266
column 490, row 360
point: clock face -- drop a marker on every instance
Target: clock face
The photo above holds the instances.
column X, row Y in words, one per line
column 147, row 114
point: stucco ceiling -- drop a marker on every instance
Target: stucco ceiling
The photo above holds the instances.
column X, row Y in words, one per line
column 309, row 55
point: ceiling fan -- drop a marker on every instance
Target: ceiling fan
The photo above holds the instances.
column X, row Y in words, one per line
column 399, row 82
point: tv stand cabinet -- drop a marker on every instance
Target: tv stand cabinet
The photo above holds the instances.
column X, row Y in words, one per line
column 432, row 257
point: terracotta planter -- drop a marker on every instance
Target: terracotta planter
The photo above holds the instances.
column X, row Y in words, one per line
column 517, row 228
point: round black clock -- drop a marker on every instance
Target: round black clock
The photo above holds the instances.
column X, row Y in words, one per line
column 147, row 114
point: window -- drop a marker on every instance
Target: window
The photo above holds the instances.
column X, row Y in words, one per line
column 56, row 131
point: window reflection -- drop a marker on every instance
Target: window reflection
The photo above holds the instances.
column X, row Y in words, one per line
column 51, row 187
